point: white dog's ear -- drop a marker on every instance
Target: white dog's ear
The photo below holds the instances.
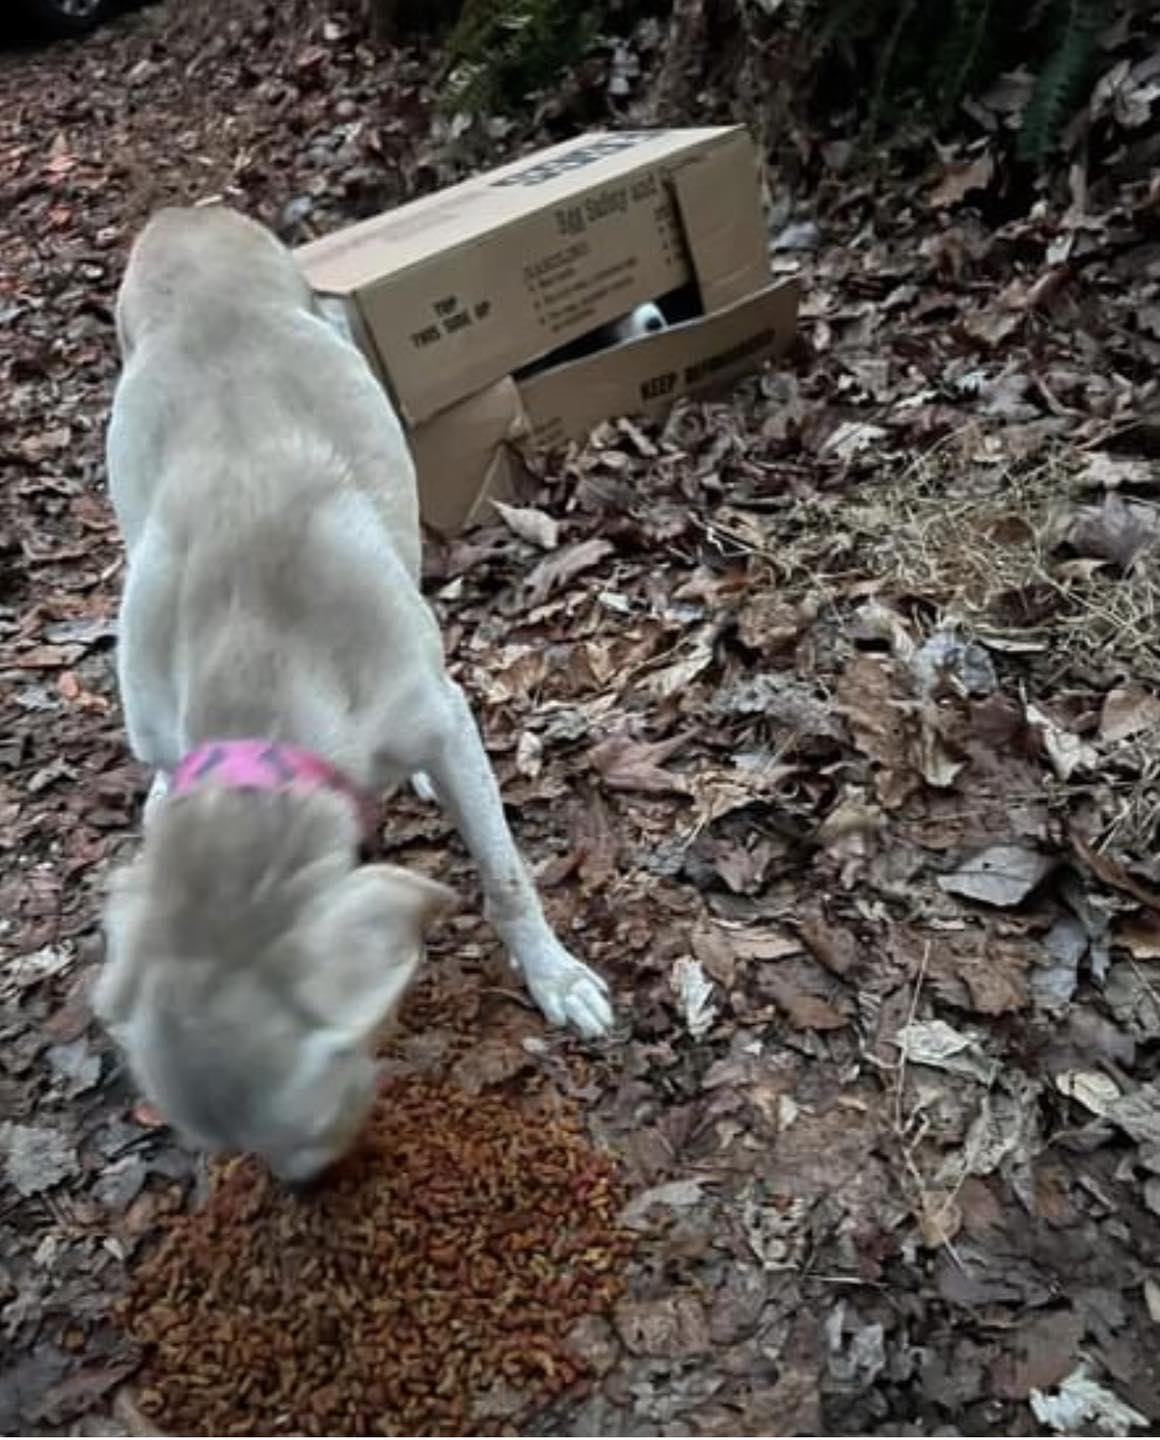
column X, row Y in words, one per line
column 366, row 944
column 333, row 311
column 115, row 988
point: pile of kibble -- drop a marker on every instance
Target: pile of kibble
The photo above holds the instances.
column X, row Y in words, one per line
column 440, row 1265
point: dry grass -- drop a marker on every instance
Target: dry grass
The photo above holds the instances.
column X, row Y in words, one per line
column 983, row 550
column 984, row 547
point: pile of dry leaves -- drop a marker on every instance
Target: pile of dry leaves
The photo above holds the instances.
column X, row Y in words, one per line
column 829, row 715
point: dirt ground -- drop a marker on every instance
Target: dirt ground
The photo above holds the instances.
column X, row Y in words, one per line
column 827, row 714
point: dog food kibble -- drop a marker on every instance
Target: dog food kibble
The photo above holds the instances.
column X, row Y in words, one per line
column 426, row 1287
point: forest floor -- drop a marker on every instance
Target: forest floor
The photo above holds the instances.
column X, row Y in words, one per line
column 828, row 715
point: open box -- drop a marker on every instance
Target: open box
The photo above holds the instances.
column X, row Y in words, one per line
column 462, row 300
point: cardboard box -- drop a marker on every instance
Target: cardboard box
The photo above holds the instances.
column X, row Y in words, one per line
column 456, row 298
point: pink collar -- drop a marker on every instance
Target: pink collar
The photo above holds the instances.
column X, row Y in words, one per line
column 269, row 765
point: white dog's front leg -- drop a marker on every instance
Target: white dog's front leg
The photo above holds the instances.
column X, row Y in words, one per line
column 157, row 793
column 421, row 784
column 566, row 990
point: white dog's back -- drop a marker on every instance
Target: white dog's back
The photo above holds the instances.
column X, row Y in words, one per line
column 227, row 356
column 266, row 494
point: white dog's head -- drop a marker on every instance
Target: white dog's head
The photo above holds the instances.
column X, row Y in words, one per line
column 189, row 259
column 252, row 962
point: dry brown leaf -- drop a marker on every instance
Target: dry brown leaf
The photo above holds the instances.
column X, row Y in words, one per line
column 849, row 828
column 1138, row 1112
column 1046, row 1349
column 675, row 1194
column 1132, row 989
column 530, row 524
column 939, row 1219
column 46, row 657
column 565, row 565
column 805, row 1011
column 694, row 993
column 719, row 793
column 1104, row 471
column 491, row 1062
column 768, row 623
column 595, row 844
column 1120, row 530
column 992, row 325
column 1129, row 711
column 832, row 946
column 517, row 678
column 1003, row 875
column 939, row 1045
column 960, row 179
column 850, row 438
column 1139, row 934
column 1112, row 873
column 981, row 968
column 36, row 1157
column 1081, row 1406
column 743, row 868
column 945, row 664
column 937, row 765
column 867, row 699
column 670, row 1327
column 1066, row 750
column 627, row 764
column 529, row 754
column 878, row 621
column 782, row 698
column 1092, row 1089
column 711, row 945
column 696, row 657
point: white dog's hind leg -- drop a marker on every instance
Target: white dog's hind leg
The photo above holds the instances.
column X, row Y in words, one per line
column 564, row 988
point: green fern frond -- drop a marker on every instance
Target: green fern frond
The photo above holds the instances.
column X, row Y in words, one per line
column 960, row 54
column 886, row 62
column 498, row 50
column 833, row 22
column 881, row 58
column 1061, row 77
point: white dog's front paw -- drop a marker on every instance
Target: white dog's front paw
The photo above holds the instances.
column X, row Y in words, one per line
column 569, row 993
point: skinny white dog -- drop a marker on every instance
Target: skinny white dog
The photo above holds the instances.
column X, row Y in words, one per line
column 279, row 669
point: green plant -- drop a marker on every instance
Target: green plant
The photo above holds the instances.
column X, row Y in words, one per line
column 1075, row 28
column 498, row 51
column 882, row 59
column 930, row 54
column 962, row 52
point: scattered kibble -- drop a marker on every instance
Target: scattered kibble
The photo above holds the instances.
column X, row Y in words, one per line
column 426, row 1287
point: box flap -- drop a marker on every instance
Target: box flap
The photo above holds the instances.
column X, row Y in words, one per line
column 462, row 456
column 723, row 224
column 647, row 375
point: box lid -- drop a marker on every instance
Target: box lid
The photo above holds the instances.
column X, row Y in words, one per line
column 364, row 254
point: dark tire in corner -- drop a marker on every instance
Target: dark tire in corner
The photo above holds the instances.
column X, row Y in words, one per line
column 63, row 19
